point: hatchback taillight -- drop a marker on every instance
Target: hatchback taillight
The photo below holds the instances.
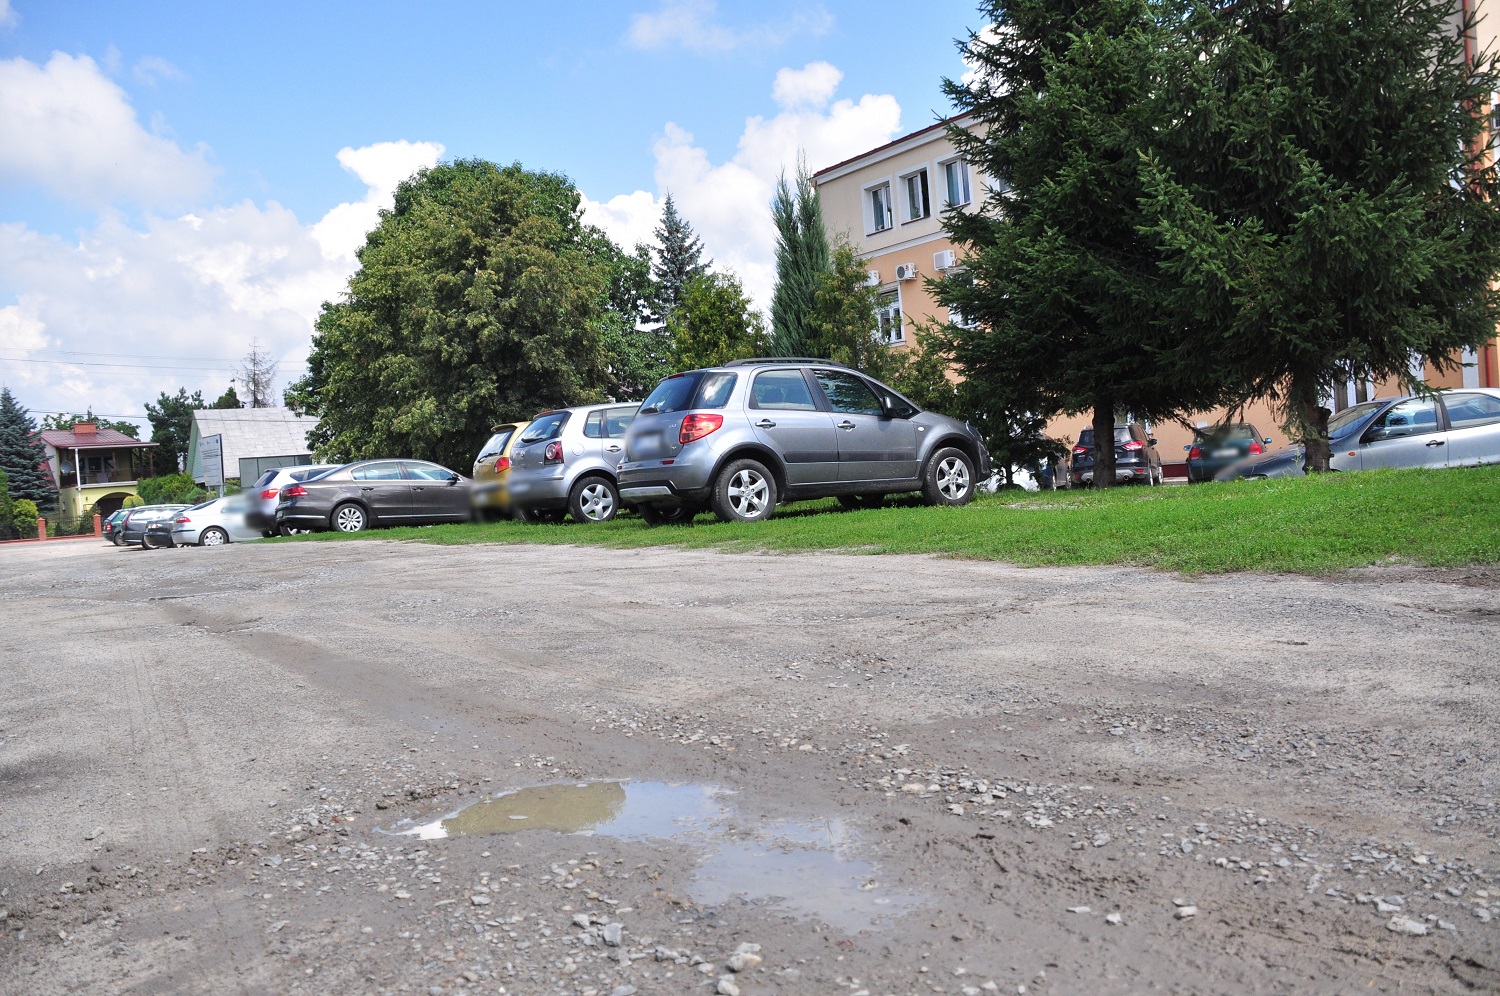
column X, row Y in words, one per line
column 698, row 426
column 270, row 493
column 1256, row 447
column 295, row 491
column 502, row 463
column 553, row 453
column 1195, row 454
column 1133, row 446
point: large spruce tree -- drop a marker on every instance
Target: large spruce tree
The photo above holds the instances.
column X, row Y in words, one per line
column 679, row 258
column 1340, row 218
column 803, row 261
column 22, row 456
column 1062, row 287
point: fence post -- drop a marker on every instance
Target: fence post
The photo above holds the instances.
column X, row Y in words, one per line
column 41, row 529
column 98, row 526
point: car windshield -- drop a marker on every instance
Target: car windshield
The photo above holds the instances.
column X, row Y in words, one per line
column 547, row 426
column 694, row 389
column 1350, row 416
column 1086, row 437
column 496, row 443
column 1222, row 433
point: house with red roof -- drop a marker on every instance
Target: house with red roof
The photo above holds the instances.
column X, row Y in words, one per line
column 95, row 469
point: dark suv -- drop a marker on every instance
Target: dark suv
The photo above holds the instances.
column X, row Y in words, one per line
column 1136, row 458
column 742, row 438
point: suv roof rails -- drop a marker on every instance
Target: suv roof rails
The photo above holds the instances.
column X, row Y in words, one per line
column 754, row 360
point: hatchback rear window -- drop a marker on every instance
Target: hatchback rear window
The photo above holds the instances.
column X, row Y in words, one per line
column 544, row 427
column 264, row 479
column 496, row 443
column 694, row 389
column 1086, row 437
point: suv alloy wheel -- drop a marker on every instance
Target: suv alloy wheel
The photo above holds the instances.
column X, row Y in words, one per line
column 745, row 491
column 949, row 479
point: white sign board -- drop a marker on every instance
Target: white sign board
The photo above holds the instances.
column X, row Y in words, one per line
column 211, row 460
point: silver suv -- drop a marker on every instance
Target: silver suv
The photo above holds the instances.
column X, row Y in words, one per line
column 743, row 437
column 565, row 462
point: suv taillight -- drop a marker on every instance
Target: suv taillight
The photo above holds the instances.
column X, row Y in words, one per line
column 502, row 463
column 1195, row 453
column 698, row 426
column 1133, row 445
column 1080, row 451
column 553, row 453
column 1256, row 447
column 295, row 491
column 269, row 493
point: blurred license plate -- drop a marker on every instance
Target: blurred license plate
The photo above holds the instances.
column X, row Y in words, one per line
column 648, row 443
column 1229, row 452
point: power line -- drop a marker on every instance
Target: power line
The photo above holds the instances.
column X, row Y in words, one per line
column 144, row 356
column 130, row 366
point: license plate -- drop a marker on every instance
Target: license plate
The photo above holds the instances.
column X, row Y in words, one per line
column 1230, row 452
column 647, row 444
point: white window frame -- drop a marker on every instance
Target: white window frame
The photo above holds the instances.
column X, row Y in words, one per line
column 892, row 332
column 909, row 215
column 867, row 198
column 968, row 182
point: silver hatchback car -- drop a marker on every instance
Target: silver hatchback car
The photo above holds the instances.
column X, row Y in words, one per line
column 565, row 462
column 742, row 438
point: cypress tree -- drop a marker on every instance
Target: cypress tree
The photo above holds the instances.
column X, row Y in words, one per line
column 22, row 455
column 679, row 258
column 803, row 260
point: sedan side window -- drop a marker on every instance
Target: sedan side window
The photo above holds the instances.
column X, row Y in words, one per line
column 847, row 393
column 1466, row 411
column 428, row 472
column 378, row 472
column 785, row 390
column 1409, row 418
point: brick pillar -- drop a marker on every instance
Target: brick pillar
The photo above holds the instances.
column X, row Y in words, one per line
column 98, row 526
column 41, row 529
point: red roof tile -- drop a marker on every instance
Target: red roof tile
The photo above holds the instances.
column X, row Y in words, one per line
column 66, row 439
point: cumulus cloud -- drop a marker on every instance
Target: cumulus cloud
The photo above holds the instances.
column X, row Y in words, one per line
column 728, row 203
column 153, row 69
column 381, row 167
column 69, row 129
column 7, row 14
column 694, row 25
column 202, row 284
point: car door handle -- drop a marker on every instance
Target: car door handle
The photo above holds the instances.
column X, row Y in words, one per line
column 612, row 449
column 366, row 488
column 1434, row 442
column 846, row 424
column 765, row 423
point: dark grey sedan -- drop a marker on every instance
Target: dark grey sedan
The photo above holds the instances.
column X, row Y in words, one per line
column 373, row 493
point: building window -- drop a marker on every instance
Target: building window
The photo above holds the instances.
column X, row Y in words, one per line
column 880, row 207
column 918, row 202
column 956, row 180
column 888, row 318
column 956, row 317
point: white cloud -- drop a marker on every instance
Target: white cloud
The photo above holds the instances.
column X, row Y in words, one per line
column 728, row 203
column 153, row 69
column 985, row 36
column 202, row 284
column 68, row 128
column 694, row 25
column 8, row 15
column 811, row 86
column 381, row 167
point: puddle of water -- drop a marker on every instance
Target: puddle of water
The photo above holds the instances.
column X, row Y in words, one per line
column 808, row 870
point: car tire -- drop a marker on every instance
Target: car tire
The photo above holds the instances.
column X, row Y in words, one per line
column 949, row 478
column 147, row 543
column 349, row 518
column 744, row 491
column 668, row 515
column 594, row 499
column 118, row 540
column 855, row 502
column 213, row 536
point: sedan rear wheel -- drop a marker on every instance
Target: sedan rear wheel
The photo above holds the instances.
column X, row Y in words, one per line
column 594, row 499
column 949, row 479
column 744, row 492
column 213, row 536
column 350, row 518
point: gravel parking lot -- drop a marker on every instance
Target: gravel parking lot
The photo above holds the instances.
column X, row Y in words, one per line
column 223, row 770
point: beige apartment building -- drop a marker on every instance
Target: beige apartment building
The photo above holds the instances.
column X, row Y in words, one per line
column 888, row 203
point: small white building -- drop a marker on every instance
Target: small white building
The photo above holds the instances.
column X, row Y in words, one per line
column 254, row 439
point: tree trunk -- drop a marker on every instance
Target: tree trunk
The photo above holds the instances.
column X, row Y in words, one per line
column 1104, row 442
column 1315, row 438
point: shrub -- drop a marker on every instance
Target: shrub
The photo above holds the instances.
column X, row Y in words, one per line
column 24, row 514
column 170, row 489
column 133, row 501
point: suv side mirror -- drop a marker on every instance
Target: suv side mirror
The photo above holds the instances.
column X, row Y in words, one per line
column 1268, row 440
column 1150, row 441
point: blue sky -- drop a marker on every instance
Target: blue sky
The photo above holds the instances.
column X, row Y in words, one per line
column 176, row 179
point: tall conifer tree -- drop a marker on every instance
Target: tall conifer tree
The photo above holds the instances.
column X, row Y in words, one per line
column 803, row 260
column 679, row 258
column 22, row 455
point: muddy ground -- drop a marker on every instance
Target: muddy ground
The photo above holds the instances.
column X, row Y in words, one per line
column 891, row 774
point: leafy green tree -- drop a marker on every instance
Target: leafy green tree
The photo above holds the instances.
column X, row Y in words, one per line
column 679, row 258
column 842, row 324
column 713, row 323
column 1062, row 285
column 66, row 422
column 7, row 508
column 803, row 259
column 171, row 421
column 170, row 489
column 637, row 345
column 22, row 456
column 480, row 297
column 1348, row 219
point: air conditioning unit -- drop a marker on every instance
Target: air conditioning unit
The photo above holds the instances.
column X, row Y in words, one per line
column 872, row 278
column 945, row 260
column 906, row 271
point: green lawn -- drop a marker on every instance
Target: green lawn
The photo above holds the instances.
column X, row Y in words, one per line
column 1305, row 525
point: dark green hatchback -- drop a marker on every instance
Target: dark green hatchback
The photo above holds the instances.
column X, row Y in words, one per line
column 1216, row 447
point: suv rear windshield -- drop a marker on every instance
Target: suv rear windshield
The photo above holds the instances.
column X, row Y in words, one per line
column 544, row 427
column 1086, row 437
column 496, row 443
column 694, row 389
column 1222, row 432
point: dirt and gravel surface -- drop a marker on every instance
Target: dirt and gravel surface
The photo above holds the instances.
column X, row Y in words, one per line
column 805, row 774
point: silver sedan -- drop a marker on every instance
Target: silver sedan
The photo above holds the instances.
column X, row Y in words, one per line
column 214, row 523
